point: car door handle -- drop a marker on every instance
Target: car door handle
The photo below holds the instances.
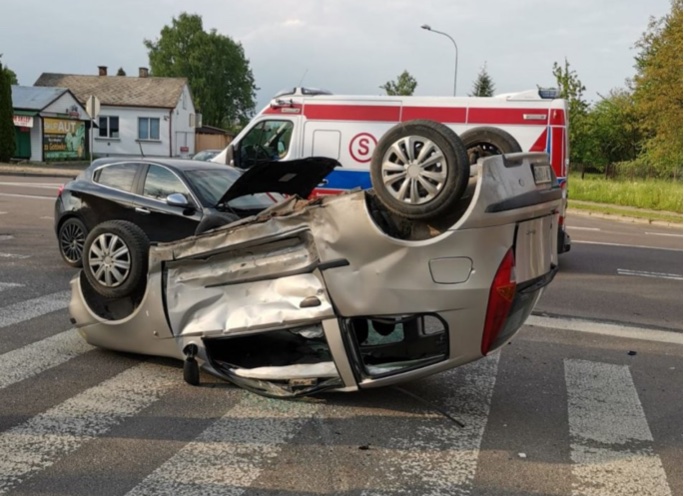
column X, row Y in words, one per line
column 141, row 210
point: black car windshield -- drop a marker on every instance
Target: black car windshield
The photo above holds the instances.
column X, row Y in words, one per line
column 212, row 184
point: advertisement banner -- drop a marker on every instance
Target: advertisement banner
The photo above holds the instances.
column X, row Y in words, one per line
column 22, row 120
column 63, row 139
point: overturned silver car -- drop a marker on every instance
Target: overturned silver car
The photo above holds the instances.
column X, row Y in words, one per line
column 361, row 290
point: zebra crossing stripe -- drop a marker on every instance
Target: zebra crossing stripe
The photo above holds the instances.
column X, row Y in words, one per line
column 44, row 439
column 611, row 445
column 42, row 355
column 438, row 456
column 8, row 285
column 29, row 309
column 230, row 454
column 14, row 255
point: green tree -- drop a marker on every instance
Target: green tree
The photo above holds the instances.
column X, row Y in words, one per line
column 121, row 72
column 9, row 73
column 613, row 133
column 572, row 89
column 658, row 93
column 7, row 144
column 218, row 73
column 483, row 85
column 404, row 85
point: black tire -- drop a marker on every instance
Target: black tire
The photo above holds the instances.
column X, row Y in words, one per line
column 212, row 221
column 426, row 188
column 115, row 258
column 487, row 141
column 71, row 238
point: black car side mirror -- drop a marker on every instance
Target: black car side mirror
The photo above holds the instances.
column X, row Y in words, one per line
column 177, row 200
column 180, row 200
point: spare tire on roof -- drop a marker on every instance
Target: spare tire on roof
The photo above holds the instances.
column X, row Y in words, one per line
column 419, row 170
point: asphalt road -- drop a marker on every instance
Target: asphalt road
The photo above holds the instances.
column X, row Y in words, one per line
column 589, row 406
column 623, row 272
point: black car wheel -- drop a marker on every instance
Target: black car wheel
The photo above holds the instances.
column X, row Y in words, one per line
column 419, row 170
column 71, row 237
column 115, row 258
column 487, row 141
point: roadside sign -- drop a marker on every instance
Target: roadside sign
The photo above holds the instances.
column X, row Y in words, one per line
column 93, row 106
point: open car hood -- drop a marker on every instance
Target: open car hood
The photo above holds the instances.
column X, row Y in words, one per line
column 292, row 177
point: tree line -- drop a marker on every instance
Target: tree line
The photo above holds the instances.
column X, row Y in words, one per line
column 633, row 131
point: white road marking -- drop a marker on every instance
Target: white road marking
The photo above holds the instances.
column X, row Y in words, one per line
column 6, row 237
column 44, row 439
column 14, row 255
column 664, row 234
column 9, row 285
column 33, row 197
column 29, row 309
column 438, row 456
column 581, row 325
column 642, row 273
column 42, row 355
column 584, row 228
column 610, row 441
column 229, row 455
column 33, row 185
column 3, row 213
column 624, row 246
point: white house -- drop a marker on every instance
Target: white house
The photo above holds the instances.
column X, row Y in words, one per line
column 152, row 116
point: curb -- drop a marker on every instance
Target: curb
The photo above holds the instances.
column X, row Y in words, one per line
column 623, row 218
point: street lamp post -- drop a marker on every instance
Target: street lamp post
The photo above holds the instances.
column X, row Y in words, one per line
column 427, row 27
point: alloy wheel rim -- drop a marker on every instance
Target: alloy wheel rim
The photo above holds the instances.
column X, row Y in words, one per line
column 414, row 170
column 72, row 241
column 110, row 260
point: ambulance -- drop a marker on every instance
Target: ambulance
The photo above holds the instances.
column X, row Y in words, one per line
column 307, row 122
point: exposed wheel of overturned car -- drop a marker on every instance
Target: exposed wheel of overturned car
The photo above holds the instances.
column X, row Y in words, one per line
column 115, row 258
column 487, row 141
column 420, row 169
column 71, row 236
column 213, row 221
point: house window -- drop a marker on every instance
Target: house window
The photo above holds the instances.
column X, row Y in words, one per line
column 148, row 128
column 109, row 126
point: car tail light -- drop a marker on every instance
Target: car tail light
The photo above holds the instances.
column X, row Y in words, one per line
column 501, row 296
column 59, row 190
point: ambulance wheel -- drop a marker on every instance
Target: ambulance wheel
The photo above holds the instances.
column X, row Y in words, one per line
column 419, row 170
column 487, row 141
column 115, row 258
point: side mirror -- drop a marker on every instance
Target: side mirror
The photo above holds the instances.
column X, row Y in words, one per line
column 233, row 155
column 177, row 200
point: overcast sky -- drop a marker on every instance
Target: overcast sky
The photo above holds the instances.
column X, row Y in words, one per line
column 345, row 46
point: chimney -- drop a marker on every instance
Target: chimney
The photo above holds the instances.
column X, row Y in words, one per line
column 143, row 72
column 102, row 70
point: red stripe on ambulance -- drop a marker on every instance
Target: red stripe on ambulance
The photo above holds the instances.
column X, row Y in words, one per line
column 529, row 117
column 367, row 113
column 439, row 114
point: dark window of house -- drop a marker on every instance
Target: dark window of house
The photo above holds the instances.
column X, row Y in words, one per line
column 118, row 176
column 161, row 182
column 148, row 128
column 109, row 126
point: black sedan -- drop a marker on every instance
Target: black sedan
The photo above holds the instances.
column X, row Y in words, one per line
column 169, row 199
